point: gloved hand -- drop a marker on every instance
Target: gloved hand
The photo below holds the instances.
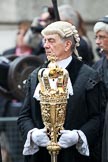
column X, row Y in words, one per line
column 68, row 138
column 40, row 137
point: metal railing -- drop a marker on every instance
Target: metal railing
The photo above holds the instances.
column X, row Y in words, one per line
column 10, row 140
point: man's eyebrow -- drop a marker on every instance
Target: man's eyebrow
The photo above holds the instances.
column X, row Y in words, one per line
column 50, row 39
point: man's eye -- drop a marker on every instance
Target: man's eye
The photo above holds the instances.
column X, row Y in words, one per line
column 101, row 37
column 48, row 41
column 51, row 41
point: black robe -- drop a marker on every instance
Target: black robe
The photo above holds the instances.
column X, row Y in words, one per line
column 102, row 67
column 82, row 113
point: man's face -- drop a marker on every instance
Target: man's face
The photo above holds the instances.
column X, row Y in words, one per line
column 55, row 45
column 102, row 40
column 20, row 38
column 44, row 19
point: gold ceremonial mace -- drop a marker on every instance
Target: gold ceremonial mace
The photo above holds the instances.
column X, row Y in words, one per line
column 53, row 100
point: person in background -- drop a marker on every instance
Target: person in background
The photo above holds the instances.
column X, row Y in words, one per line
column 21, row 47
column 33, row 36
column 10, row 106
column 47, row 16
column 83, row 33
column 83, row 116
column 101, row 38
column 74, row 17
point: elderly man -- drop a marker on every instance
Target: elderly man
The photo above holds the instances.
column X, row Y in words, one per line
column 83, row 115
column 101, row 32
column 101, row 38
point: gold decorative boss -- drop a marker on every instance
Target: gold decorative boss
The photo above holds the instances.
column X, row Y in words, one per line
column 53, row 100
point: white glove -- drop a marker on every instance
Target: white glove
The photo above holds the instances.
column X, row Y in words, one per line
column 68, row 138
column 40, row 137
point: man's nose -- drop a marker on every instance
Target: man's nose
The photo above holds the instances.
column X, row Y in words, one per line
column 98, row 41
column 46, row 44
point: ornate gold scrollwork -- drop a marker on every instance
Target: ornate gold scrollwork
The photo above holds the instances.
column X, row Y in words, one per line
column 53, row 100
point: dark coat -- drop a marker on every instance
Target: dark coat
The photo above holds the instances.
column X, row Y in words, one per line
column 37, row 52
column 12, row 51
column 83, row 113
column 105, row 138
column 0, row 155
column 102, row 67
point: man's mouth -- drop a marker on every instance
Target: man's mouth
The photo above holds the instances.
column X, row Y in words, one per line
column 48, row 52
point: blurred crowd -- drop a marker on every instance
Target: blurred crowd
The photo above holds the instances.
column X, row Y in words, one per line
column 29, row 42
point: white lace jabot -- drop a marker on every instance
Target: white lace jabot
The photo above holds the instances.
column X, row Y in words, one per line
column 63, row 64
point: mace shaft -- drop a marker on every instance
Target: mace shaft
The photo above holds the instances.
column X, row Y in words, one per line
column 53, row 157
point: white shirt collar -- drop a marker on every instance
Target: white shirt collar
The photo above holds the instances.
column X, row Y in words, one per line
column 64, row 63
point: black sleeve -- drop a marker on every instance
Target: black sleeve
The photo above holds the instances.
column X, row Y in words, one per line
column 25, row 122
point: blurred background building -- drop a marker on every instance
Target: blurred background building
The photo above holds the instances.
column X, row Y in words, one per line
column 12, row 11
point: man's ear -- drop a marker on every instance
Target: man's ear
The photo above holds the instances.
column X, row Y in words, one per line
column 68, row 44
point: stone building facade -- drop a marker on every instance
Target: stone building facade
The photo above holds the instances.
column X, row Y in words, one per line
column 12, row 11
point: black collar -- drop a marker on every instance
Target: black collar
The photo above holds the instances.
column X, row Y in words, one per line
column 74, row 68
